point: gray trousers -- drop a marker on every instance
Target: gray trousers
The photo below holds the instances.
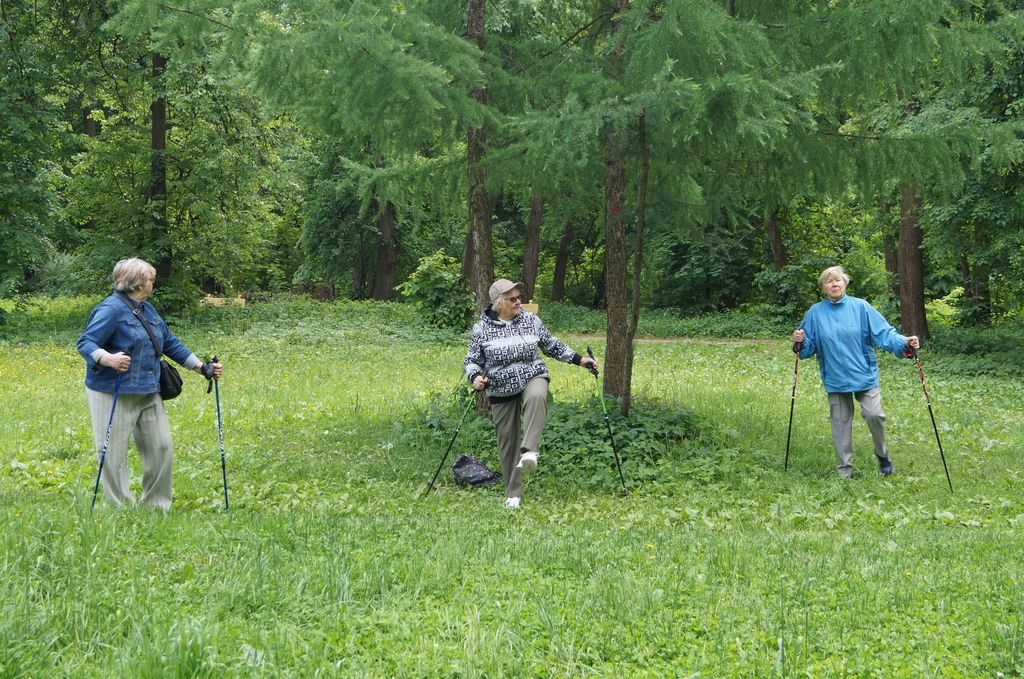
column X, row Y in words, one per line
column 528, row 412
column 840, row 408
column 141, row 417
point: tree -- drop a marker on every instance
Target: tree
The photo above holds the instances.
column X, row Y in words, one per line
column 977, row 230
column 387, row 253
column 531, row 248
column 910, row 266
column 158, row 235
column 653, row 76
column 37, row 40
column 185, row 168
column 479, row 246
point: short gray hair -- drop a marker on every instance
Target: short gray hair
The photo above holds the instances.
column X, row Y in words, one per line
column 833, row 272
column 131, row 273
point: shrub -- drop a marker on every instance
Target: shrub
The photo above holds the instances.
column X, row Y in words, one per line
column 436, row 288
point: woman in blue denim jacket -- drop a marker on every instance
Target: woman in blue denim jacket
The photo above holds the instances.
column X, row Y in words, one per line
column 120, row 357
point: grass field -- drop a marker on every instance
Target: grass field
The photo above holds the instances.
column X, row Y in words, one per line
column 331, row 562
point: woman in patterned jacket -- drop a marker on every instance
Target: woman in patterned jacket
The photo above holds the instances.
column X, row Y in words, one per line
column 504, row 358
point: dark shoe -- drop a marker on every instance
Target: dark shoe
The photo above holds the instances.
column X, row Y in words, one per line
column 885, row 466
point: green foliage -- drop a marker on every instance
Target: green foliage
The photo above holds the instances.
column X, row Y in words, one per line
column 995, row 351
column 333, row 239
column 231, row 204
column 562, row 318
column 438, row 291
column 787, row 293
column 749, row 323
column 647, row 442
column 32, row 133
column 975, row 233
column 711, row 269
column 422, row 68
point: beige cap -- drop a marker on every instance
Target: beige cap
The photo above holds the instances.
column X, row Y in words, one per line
column 501, row 286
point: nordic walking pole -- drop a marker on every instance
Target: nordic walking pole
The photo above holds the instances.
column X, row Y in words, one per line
column 920, row 372
column 106, row 441
column 797, row 346
column 608, row 422
column 215, row 383
column 430, row 485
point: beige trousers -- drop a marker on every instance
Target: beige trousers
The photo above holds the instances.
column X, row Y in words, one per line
column 529, row 413
column 141, row 417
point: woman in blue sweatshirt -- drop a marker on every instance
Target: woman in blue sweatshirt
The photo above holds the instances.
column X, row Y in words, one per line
column 843, row 332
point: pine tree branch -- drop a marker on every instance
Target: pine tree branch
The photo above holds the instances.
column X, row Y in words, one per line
column 861, row 137
column 194, row 14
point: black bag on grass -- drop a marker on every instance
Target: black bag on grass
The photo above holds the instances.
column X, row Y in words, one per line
column 469, row 471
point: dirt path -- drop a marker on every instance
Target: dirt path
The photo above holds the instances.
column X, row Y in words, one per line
column 669, row 340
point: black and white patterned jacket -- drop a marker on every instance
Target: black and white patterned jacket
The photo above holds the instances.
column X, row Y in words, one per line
column 507, row 352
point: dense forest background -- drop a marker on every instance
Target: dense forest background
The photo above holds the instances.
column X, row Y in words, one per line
column 696, row 155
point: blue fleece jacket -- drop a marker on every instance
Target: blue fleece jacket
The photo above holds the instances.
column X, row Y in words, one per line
column 844, row 335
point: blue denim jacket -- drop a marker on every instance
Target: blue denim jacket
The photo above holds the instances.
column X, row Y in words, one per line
column 114, row 327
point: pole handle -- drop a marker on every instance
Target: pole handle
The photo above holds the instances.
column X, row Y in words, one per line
column 209, row 379
column 592, row 369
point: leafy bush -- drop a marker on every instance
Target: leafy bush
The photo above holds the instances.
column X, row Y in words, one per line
column 436, row 288
column 562, row 318
column 971, row 351
column 579, row 446
column 742, row 324
column 752, row 323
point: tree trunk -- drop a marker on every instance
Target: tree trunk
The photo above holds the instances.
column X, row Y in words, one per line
column 387, row 254
column 562, row 263
column 618, row 347
column 977, row 303
column 90, row 127
column 911, row 266
column 778, row 248
column 891, row 263
column 359, row 265
column 638, row 259
column 159, row 236
column 531, row 249
column 481, row 268
column 468, row 257
column 616, row 357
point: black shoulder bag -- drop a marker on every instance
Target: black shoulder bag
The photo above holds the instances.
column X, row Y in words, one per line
column 170, row 380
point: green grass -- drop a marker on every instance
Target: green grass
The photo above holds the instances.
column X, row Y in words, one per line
column 332, row 563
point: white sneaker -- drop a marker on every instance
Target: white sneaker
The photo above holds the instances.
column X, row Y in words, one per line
column 511, row 503
column 527, row 462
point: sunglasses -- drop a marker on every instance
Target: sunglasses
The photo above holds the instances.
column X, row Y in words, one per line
column 514, row 299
